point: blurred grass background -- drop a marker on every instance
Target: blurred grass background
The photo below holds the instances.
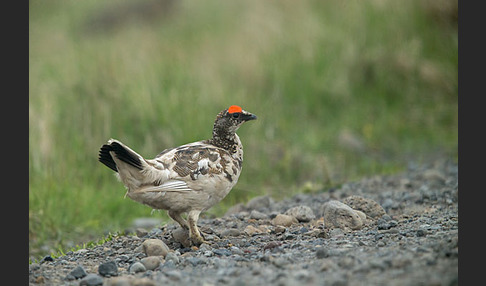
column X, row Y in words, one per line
column 342, row 90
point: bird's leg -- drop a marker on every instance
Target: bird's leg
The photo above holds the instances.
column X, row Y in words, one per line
column 177, row 217
column 194, row 233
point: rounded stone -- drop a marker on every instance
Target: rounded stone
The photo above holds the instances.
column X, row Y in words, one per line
column 151, row 262
column 91, row 280
column 301, row 213
column 284, row 220
column 137, row 267
column 155, row 247
column 108, row 269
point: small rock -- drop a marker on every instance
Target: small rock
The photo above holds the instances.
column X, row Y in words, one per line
column 421, row 232
column 204, row 247
column 91, row 280
column 284, row 220
column 141, row 232
column 182, row 236
column 151, row 262
column 336, row 232
column 236, row 250
column 340, row 215
column 222, row 252
column 155, row 231
column 254, row 214
column 371, row 208
column 230, row 232
column 322, row 253
column 301, row 213
column 389, row 204
column 169, row 264
column 155, row 247
column 171, row 256
column 272, row 245
column 122, row 258
column 108, row 269
column 78, row 272
column 251, row 230
column 194, row 261
column 137, row 267
column 47, row 258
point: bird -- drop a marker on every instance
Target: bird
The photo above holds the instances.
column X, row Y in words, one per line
column 188, row 179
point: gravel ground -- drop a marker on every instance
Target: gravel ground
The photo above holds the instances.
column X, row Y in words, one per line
column 383, row 230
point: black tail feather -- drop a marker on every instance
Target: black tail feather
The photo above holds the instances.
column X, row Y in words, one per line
column 121, row 153
column 105, row 157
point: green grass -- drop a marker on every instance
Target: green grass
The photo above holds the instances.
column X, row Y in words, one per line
column 383, row 72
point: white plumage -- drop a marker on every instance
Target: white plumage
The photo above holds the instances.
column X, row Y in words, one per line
column 190, row 178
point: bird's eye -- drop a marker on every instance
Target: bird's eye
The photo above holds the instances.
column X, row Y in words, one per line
column 236, row 115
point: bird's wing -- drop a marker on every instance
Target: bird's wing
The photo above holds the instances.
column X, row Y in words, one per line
column 191, row 162
column 169, row 186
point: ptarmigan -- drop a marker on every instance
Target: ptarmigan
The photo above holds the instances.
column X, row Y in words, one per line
column 187, row 179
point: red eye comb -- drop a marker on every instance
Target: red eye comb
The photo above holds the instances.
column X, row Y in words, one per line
column 234, row 108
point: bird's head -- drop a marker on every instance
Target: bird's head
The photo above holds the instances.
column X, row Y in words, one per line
column 229, row 120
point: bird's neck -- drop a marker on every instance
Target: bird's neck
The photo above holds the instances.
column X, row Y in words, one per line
column 225, row 140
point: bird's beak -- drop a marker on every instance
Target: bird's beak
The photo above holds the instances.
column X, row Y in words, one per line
column 248, row 116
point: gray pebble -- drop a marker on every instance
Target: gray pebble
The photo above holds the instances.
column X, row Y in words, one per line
column 421, row 232
column 78, row 272
column 170, row 264
column 322, row 253
column 108, row 269
column 194, row 261
column 91, row 280
column 171, row 256
column 155, row 231
column 383, row 224
column 254, row 214
column 182, row 236
column 151, row 262
column 370, row 207
column 301, row 213
column 205, row 247
column 222, row 252
column 122, row 258
column 141, row 232
column 339, row 215
column 137, row 267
